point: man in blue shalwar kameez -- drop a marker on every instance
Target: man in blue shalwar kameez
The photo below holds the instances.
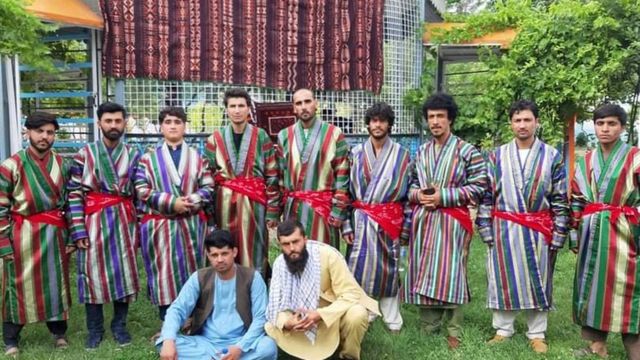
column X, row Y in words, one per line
column 226, row 303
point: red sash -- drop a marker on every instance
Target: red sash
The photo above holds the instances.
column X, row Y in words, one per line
column 52, row 217
column 462, row 215
column 388, row 215
column 96, row 201
column 320, row 201
column 254, row 187
column 147, row 217
column 631, row 213
column 539, row 221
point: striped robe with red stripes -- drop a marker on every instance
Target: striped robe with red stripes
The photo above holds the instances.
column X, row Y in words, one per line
column 35, row 284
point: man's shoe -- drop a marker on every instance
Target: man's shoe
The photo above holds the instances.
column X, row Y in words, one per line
column 453, row 342
column 122, row 337
column 60, row 342
column 497, row 339
column 539, row 346
column 589, row 352
column 93, row 342
column 11, row 351
column 394, row 331
column 155, row 337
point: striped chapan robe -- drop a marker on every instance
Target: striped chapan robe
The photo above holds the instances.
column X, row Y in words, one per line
column 314, row 177
column 247, row 192
column 171, row 244
column 439, row 244
column 101, row 210
column 604, row 200
column 380, row 184
column 519, row 263
column 35, row 285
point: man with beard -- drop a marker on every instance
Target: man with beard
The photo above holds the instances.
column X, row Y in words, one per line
column 448, row 175
column 104, row 226
column 244, row 164
column 378, row 186
column 315, row 304
column 523, row 218
column 227, row 304
column 314, row 171
column 173, row 183
column 33, row 235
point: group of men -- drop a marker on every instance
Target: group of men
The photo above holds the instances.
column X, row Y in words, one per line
column 111, row 200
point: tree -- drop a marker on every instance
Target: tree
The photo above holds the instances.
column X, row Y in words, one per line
column 20, row 34
column 568, row 56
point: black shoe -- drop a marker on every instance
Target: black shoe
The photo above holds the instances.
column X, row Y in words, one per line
column 122, row 337
column 93, row 341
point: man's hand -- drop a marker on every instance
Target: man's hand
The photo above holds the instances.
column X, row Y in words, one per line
column 308, row 319
column 432, row 201
column 83, row 244
column 271, row 224
column 293, row 321
column 70, row 249
column 168, row 351
column 234, row 353
column 182, row 205
column 574, row 250
column 8, row 257
column 335, row 222
column 348, row 238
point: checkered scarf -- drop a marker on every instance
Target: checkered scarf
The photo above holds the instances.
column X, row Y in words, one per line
column 292, row 292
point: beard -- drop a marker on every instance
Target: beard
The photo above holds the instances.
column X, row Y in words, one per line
column 378, row 137
column 296, row 266
column 113, row 134
column 35, row 145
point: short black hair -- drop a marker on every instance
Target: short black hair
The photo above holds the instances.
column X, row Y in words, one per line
column 441, row 101
column 520, row 105
column 111, row 107
column 39, row 118
column 173, row 111
column 219, row 239
column 607, row 110
column 382, row 111
column 288, row 227
column 236, row 93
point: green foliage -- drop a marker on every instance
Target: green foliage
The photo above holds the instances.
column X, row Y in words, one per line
column 414, row 98
column 20, row 34
column 568, row 56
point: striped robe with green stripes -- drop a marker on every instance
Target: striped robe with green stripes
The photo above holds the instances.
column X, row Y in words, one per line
column 243, row 217
column 107, row 270
column 438, row 248
column 35, row 285
column 317, row 162
column 606, row 293
column 519, row 263
column 373, row 257
column 171, row 244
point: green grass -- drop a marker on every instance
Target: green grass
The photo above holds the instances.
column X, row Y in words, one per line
column 563, row 336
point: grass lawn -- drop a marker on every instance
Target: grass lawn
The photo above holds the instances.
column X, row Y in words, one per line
column 411, row 343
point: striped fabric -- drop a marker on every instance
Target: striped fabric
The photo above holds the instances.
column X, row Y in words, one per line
column 606, row 293
column 317, row 162
column 107, row 271
column 438, row 248
column 373, row 258
column 172, row 247
column 242, row 216
column 35, row 284
column 519, row 266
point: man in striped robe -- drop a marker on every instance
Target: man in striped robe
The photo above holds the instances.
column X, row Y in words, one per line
column 314, row 171
column 33, row 236
column 243, row 161
column 378, row 185
column 523, row 218
column 104, row 225
column 173, row 183
column 604, row 203
column 447, row 177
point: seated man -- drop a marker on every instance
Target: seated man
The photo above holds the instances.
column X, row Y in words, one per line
column 304, row 324
column 227, row 303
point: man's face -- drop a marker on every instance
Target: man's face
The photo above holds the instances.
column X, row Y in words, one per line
column 439, row 124
column 292, row 245
column 608, row 130
column 112, row 125
column 173, row 128
column 42, row 138
column 238, row 110
column 221, row 259
column 304, row 105
column 378, row 128
column 524, row 124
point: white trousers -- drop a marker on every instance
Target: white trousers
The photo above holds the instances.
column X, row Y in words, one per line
column 536, row 322
column 390, row 309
